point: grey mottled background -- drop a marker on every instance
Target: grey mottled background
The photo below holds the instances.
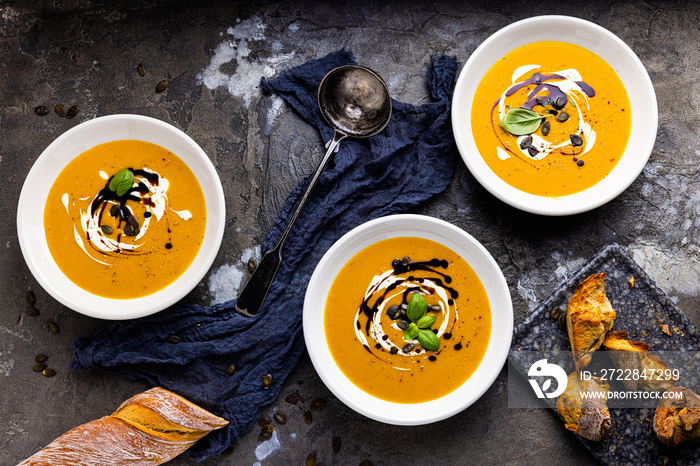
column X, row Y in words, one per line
column 86, row 52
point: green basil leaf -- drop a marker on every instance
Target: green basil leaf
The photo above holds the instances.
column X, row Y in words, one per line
column 428, row 340
column 521, row 121
column 122, row 182
column 411, row 332
column 417, row 307
column 426, row 322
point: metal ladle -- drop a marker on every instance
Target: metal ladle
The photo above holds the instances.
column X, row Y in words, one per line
column 355, row 101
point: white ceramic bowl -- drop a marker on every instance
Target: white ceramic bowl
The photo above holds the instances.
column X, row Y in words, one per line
column 476, row 256
column 608, row 47
column 32, row 200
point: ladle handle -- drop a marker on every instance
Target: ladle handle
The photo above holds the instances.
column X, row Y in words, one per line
column 253, row 294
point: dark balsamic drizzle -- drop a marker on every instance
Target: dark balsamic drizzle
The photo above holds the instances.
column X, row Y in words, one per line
column 534, row 100
column 399, row 268
column 136, row 194
column 553, row 92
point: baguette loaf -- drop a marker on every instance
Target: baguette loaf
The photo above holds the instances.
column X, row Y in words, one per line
column 635, row 356
column 148, row 429
column 677, row 420
column 588, row 417
column 589, row 316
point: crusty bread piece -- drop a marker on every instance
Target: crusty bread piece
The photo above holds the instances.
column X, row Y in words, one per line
column 635, row 355
column 589, row 316
column 588, row 417
column 678, row 420
column 148, row 429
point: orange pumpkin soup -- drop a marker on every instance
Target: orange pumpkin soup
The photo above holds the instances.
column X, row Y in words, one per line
column 551, row 118
column 125, row 219
column 381, row 338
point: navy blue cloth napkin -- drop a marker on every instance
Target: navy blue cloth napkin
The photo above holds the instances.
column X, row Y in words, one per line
column 392, row 172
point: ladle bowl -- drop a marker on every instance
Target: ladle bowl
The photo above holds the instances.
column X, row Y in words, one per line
column 355, row 102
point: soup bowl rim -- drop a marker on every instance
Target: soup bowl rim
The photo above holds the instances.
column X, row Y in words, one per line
column 70, row 144
column 609, row 47
column 477, row 257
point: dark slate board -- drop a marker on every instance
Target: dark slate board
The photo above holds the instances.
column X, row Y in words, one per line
column 641, row 309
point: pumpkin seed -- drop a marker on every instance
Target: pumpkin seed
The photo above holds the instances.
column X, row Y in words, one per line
column 402, row 325
column 318, row 404
column 31, row 298
column 407, row 348
column 48, row 372
column 554, row 315
column 41, row 357
column 141, row 69
column 60, row 111
column 267, row 381
column 160, row 87
column 336, row 444
column 130, row 230
column 532, row 150
column 280, row 417
column 133, row 221
column 252, row 265
column 394, row 350
column 294, row 398
column 576, row 140
column 545, row 128
column 307, row 416
column 266, row 433
column 563, row 117
column 559, row 103
column 435, row 308
column 229, row 370
column 39, row 367
column 52, row 327
column 41, row 110
column 73, row 111
column 264, row 421
column 394, row 312
column 31, row 311
column 106, row 229
column 526, row 142
column 115, row 210
column 174, row 339
column 311, row 459
column 406, row 261
column 562, row 321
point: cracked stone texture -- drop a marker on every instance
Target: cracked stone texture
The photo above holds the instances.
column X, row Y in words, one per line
column 86, row 53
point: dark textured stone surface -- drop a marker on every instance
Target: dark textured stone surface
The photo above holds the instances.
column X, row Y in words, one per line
column 86, row 53
column 641, row 308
